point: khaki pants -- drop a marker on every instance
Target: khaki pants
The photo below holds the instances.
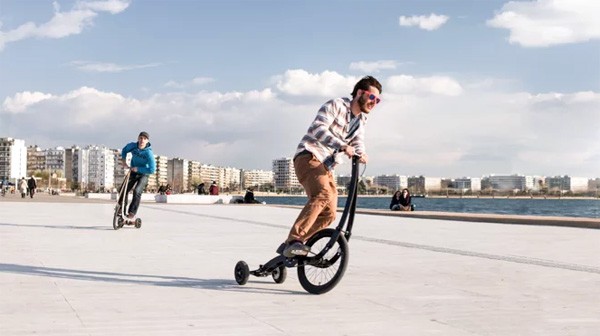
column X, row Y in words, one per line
column 320, row 188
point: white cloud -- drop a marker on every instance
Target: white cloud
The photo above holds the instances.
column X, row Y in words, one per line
column 22, row 100
column 302, row 83
column 544, row 23
column 109, row 67
column 424, row 125
column 111, row 6
column 373, row 67
column 431, row 22
column 63, row 24
column 439, row 85
column 195, row 81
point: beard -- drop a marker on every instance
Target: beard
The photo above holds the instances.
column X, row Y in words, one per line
column 362, row 103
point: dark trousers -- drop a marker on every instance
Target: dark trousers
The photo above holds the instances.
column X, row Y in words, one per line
column 139, row 181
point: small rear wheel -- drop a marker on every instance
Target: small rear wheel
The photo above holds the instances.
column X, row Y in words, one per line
column 279, row 274
column 323, row 275
column 138, row 223
column 241, row 272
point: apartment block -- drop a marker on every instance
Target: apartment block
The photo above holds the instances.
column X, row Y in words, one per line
column 119, row 168
column 253, row 178
column 232, row 178
column 194, row 177
column 567, row 183
column 284, row 175
column 209, row 173
column 467, row 183
column 13, row 159
column 424, row 184
column 177, row 174
column 392, row 182
column 36, row 160
column 510, row 182
column 160, row 176
column 101, row 168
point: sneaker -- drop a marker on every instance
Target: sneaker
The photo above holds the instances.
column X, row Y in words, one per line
column 281, row 248
column 131, row 216
column 295, row 249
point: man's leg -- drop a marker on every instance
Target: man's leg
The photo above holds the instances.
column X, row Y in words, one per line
column 142, row 181
column 130, row 183
column 320, row 209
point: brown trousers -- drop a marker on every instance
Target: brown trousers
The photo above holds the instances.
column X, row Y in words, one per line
column 320, row 188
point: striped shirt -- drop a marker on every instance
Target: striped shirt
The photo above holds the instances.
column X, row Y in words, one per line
column 334, row 127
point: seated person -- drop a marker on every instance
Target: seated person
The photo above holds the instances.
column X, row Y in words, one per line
column 249, row 197
column 201, row 189
column 401, row 201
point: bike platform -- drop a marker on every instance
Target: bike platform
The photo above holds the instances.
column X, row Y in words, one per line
column 65, row 271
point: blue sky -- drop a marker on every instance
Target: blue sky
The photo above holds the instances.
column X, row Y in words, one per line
column 470, row 87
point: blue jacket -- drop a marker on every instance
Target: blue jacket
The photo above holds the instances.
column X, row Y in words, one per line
column 142, row 159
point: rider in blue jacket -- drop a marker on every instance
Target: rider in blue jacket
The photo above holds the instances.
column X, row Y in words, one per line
column 141, row 166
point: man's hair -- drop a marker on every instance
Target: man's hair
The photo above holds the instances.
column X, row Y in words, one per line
column 364, row 83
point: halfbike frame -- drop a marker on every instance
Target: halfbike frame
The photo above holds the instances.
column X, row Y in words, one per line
column 347, row 221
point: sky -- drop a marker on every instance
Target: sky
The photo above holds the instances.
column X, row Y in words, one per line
column 470, row 88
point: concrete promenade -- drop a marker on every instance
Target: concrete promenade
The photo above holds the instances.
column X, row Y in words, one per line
column 65, row 271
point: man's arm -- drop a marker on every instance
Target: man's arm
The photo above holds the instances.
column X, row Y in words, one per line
column 358, row 143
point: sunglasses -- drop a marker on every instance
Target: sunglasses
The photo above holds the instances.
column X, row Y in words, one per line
column 373, row 97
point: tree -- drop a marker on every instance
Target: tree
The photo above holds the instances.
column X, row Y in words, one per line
column 362, row 187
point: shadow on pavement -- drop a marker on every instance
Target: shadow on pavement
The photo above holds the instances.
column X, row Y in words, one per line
column 65, row 227
column 139, row 279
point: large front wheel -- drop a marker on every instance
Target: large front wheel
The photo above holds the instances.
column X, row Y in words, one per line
column 323, row 275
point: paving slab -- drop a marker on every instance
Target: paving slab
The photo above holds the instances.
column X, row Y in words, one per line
column 65, row 271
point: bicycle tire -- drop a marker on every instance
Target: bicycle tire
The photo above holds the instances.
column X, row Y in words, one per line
column 320, row 278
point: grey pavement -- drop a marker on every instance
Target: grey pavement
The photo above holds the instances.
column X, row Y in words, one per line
column 65, row 271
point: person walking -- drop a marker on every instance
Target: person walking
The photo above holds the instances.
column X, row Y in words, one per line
column 23, row 187
column 32, row 185
column 141, row 166
column 338, row 128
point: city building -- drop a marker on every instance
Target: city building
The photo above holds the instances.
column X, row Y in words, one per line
column 232, row 178
column 510, row 182
column 392, row 182
column 467, row 184
column 119, row 168
column 101, row 168
column 13, row 159
column 567, row 183
column 210, row 173
column 177, row 175
column 160, row 176
column 424, row 184
column 284, row 175
column 69, row 166
column 256, row 178
column 194, row 177
column 36, row 160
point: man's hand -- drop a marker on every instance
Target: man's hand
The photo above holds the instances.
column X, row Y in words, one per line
column 134, row 169
column 348, row 150
column 364, row 158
